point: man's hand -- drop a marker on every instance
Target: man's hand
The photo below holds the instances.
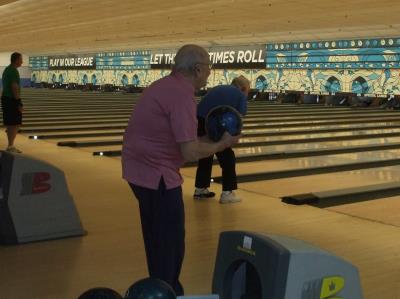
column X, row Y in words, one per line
column 228, row 140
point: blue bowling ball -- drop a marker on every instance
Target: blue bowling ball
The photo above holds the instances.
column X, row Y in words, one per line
column 150, row 288
column 100, row 293
column 223, row 119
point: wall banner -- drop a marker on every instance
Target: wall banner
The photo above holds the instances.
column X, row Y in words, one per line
column 242, row 57
column 72, row 62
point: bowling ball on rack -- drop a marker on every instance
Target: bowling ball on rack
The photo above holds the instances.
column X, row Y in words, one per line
column 223, row 119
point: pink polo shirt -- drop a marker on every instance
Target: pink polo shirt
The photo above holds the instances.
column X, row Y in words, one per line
column 164, row 116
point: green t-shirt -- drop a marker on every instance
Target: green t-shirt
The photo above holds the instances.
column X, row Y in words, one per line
column 10, row 75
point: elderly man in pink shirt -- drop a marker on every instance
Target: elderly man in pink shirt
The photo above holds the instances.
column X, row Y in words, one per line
column 160, row 137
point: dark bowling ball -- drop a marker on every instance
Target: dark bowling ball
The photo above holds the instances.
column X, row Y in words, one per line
column 100, row 293
column 150, row 288
column 223, row 119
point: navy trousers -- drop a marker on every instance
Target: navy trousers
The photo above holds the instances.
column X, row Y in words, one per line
column 226, row 159
column 163, row 225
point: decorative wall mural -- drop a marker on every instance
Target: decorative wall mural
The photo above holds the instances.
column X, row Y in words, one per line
column 261, row 83
column 364, row 66
column 85, row 79
column 124, row 80
column 135, row 80
column 93, row 80
column 333, row 85
column 359, row 86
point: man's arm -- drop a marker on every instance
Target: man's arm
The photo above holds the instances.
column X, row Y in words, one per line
column 15, row 90
column 201, row 148
column 243, row 105
column 17, row 96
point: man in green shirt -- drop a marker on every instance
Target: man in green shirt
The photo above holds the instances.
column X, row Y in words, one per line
column 11, row 103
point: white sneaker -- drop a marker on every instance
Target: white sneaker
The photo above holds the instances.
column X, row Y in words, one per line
column 13, row 149
column 229, row 197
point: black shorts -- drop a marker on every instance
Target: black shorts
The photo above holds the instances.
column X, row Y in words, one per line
column 11, row 114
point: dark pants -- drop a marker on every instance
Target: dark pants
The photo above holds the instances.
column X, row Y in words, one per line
column 226, row 159
column 163, row 225
column 12, row 116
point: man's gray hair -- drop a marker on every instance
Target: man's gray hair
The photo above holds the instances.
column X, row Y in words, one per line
column 188, row 56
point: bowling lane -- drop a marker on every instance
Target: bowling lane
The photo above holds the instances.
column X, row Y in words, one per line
column 381, row 210
column 98, row 120
column 349, row 127
column 316, row 116
column 54, row 108
column 304, row 163
column 48, row 128
column 77, row 120
column 67, row 128
column 290, row 107
column 350, row 120
column 79, row 134
column 256, row 113
column 67, row 117
column 313, row 146
column 77, row 112
column 250, row 128
column 318, row 135
column 250, row 151
column 323, row 182
column 253, row 139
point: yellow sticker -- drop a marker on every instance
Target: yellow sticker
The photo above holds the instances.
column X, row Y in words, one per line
column 331, row 286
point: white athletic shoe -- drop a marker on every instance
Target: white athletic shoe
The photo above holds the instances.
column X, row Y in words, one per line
column 229, row 197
